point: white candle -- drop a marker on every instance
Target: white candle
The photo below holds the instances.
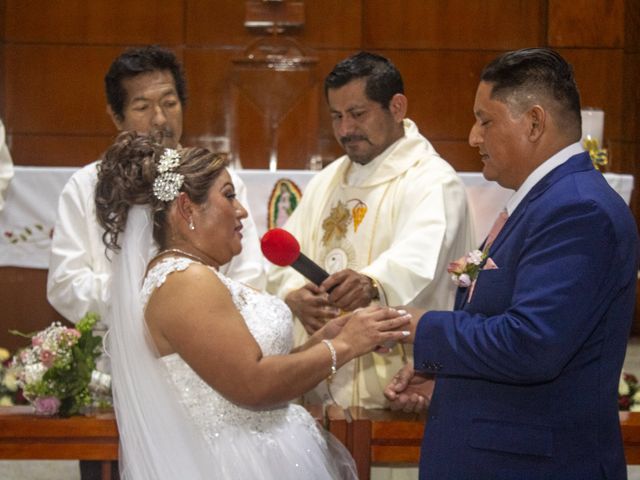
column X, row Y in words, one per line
column 592, row 124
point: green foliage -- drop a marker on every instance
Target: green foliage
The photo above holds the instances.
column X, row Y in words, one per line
column 58, row 365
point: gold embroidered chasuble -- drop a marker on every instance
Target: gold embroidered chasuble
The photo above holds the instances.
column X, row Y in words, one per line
column 399, row 219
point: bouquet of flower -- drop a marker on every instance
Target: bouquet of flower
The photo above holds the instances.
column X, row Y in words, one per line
column 56, row 370
column 10, row 393
column 628, row 393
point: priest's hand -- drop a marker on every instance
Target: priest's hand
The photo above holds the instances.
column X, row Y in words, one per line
column 350, row 289
column 312, row 306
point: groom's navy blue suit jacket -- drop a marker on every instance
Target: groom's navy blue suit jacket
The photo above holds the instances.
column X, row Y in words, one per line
column 527, row 372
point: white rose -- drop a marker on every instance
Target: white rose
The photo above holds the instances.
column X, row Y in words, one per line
column 464, row 280
column 475, row 257
column 4, row 354
column 623, row 387
column 634, row 408
column 5, row 401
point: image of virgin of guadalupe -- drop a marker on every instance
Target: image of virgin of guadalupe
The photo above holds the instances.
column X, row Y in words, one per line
column 283, row 201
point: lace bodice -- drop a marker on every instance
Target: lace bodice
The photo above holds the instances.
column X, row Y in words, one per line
column 268, row 317
column 269, row 321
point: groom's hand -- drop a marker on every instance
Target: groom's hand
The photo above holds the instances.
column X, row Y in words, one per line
column 409, row 391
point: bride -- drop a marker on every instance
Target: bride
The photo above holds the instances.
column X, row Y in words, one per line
column 203, row 366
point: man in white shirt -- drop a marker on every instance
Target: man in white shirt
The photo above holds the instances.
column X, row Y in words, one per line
column 6, row 166
column 146, row 91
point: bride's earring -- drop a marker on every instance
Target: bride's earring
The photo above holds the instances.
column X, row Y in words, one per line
column 192, row 226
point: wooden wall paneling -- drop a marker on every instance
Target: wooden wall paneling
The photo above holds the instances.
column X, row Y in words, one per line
column 3, row 19
column 453, row 24
column 598, row 73
column 586, row 23
column 441, row 87
column 222, row 24
column 632, row 26
column 95, row 22
column 630, row 160
column 340, row 28
column 3, row 28
column 58, row 150
column 3, row 25
column 58, row 89
column 219, row 23
column 630, row 129
column 3, row 69
column 24, row 304
column 207, row 114
column 459, row 154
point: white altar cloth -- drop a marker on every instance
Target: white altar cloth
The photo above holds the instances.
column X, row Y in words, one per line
column 27, row 221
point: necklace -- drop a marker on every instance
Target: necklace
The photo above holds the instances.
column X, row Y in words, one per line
column 180, row 252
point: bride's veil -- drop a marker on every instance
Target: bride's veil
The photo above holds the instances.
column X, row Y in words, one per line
column 157, row 439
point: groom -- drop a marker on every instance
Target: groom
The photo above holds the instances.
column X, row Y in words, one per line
column 527, row 368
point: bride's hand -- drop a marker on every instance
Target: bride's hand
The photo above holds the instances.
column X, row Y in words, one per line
column 366, row 328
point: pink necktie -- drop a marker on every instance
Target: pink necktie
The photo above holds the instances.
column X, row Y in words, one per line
column 493, row 233
column 495, row 229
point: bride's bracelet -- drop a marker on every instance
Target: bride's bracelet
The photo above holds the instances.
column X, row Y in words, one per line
column 334, row 358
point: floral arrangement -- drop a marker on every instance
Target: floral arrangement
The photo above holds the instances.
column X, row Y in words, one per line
column 55, row 372
column 599, row 156
column 10, row 393
column 628, row 393
column 465, row 270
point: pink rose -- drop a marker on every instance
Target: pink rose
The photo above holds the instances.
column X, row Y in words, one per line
column 47, row 358
column 46, row 405
column 73, row 332
column 457, row 267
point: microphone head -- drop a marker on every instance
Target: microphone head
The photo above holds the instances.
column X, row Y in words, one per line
column 280, row 247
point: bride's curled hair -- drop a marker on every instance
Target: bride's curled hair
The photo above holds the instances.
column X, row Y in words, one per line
column 126, row 176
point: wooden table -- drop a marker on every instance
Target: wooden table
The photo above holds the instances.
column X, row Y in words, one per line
column 373, row 437
column 31, row 437
column 630, row 424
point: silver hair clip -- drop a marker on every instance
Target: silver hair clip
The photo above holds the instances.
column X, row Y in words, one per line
column 167, row 185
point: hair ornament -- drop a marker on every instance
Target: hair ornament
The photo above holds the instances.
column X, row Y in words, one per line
column 167, row 185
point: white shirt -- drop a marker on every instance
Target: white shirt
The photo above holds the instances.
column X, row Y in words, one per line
column 538, row 174
column 79, row 271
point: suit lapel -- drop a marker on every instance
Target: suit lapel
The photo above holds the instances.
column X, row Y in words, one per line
column 577, row 163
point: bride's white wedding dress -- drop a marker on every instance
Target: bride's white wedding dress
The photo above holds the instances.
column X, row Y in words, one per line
column 280, row 443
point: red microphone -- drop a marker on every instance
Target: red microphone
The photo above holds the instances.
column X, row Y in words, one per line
column 282, row 248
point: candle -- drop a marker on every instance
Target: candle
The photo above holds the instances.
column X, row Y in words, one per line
column 592, row 124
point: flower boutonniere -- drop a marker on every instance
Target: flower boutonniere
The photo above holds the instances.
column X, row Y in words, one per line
column 465, row 270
